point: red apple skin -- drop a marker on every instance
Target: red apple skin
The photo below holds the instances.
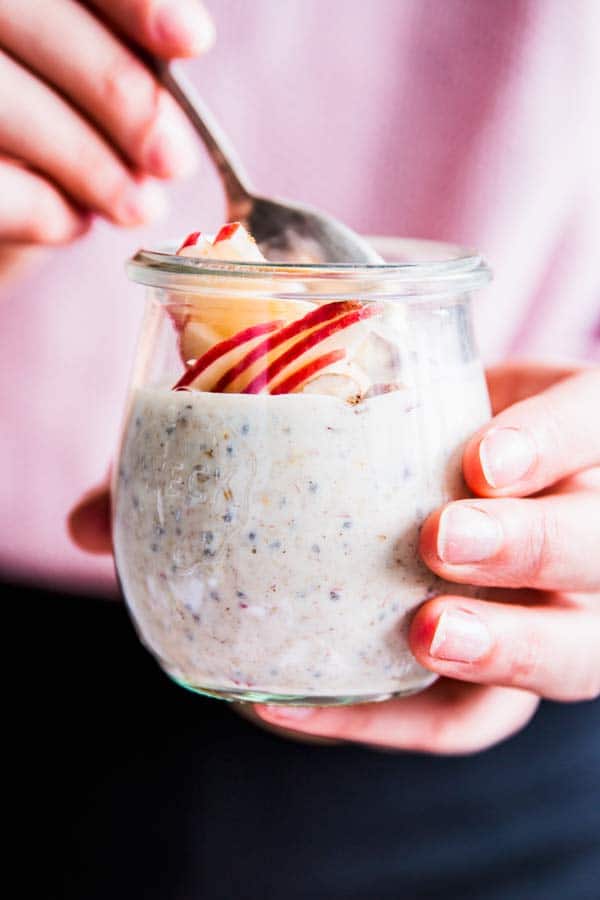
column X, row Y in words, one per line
column 299, row 376
column 217, row 350
column 311, row 319
column 263, row 379
column 190, row 240
column 226, row 232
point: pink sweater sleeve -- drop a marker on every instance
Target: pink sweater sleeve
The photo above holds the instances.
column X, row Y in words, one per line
column 471, row 122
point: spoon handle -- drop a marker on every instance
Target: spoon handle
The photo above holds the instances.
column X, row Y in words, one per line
column 220, row 149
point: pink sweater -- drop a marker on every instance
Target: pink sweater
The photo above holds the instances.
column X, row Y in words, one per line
column 466, row 121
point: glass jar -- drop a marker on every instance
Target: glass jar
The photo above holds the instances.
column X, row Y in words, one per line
column 288, row 431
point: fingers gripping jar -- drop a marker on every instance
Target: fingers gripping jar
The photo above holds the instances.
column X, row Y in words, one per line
column 287, row 432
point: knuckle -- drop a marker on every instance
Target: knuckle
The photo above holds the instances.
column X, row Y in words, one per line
column 525, row 661
column 49, row 222
column 131, row 93
column 540, row 548
column 99, row 178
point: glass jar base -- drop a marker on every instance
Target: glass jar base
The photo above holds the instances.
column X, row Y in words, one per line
column 249, row 696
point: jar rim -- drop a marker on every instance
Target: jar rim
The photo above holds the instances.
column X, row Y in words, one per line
column 427, row 266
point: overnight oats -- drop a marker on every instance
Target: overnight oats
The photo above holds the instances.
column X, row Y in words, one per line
column 288, row 431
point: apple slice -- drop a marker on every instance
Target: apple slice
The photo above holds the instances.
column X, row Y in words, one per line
column 195, row 244
column 235, row 243
column 195, row 338
column 206, row 318
column 232, row 243
column 376, row 390
column 378, row 357
column 218, row 358
column 299, row 376
column 334, row 384
column 314, row 317
column 299, row 349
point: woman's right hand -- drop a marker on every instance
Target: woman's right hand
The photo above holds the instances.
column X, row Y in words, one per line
column 85, row 128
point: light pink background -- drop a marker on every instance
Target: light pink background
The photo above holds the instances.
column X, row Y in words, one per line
column 461, row 120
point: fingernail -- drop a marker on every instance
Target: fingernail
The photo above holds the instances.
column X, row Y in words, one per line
column 184, row 28
column 460, row 636
column 143, row 202
column 170, row 148
column 467, row 535
column 295, row 713
column 506, row 456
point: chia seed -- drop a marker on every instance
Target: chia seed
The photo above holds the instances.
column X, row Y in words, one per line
column 251, row 535
column 313, row 487
column 170, row 429
column 240, row 594
column 154, row 548
column 229, row 450
column 228, row 517
column 245, row 428
column 334, row 595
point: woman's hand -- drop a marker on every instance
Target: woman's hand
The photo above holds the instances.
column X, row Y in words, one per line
column 84, row 124
column 532, row 532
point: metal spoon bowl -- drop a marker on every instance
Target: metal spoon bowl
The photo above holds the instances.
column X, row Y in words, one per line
column 284, row 231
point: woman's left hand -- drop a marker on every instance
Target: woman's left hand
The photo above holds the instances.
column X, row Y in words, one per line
column 532, row 534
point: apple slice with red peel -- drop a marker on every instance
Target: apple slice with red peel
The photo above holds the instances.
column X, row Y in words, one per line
column 204, row 319
column 311, row 342
column 314, row 317
column 299, row 376
column 235, row 243
column 202, row 373
column 195, row 244
column 195, row 339
column 232, row 242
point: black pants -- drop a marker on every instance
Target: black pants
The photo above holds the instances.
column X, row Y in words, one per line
column 134, row 788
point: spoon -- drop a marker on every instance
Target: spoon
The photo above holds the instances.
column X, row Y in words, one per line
column 284, row 231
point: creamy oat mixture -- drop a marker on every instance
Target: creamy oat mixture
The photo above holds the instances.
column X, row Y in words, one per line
column 268, row 543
